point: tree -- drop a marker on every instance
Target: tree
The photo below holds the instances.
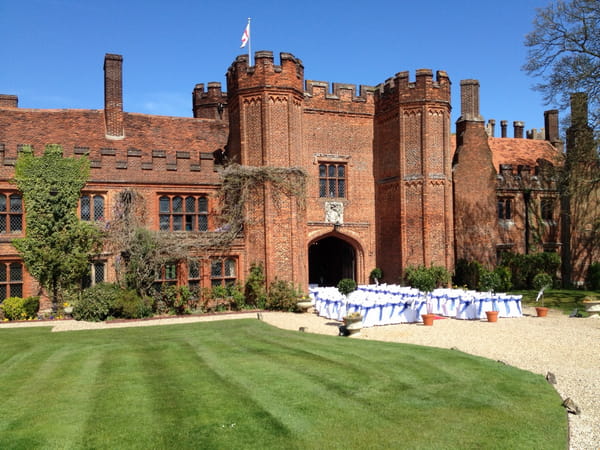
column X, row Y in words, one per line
column 564, row 50
column 57, row 245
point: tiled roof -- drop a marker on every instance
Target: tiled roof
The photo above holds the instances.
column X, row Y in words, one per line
column 522, row 152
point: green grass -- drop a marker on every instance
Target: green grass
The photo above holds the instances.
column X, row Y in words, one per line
column 243, row 384
column 565, row 300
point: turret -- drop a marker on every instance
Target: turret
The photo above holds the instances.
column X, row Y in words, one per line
column 210, row 104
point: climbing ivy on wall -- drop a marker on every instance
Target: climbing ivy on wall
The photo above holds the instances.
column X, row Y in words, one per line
column 57, row 245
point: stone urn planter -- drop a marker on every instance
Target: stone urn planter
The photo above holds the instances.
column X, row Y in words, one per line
column 304, row 306
column 592, row 306
column 492, row 316
column 353, row 323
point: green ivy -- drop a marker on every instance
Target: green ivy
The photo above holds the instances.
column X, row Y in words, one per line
column 57, row 245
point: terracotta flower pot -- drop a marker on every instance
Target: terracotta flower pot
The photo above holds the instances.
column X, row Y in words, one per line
column 428, row 319
column 492, row 316
column 541, row 311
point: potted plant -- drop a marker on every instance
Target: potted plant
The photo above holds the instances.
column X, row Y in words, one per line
column 352, row 321
column 425, row 280
column 541, row 281
column 429, row 317
column 376, row 275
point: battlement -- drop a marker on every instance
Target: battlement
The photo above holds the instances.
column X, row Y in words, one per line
column 289, row 74
column 520, row 176
column 425, row 87
column 132, row 163
column 320, row 90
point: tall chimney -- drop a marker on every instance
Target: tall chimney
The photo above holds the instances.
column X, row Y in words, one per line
column 579, row 109
column 113, row 96
column 503, row 126
column 469, row 97
column 551, row 126
column 518, row 127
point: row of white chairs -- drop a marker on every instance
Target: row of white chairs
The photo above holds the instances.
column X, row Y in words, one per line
column 391, row 304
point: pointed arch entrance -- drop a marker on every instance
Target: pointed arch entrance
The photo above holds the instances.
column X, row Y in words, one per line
column 329, row 260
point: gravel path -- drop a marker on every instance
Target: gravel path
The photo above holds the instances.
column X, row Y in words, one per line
column 567, row 347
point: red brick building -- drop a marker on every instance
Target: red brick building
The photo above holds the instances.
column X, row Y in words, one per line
column 389, row 186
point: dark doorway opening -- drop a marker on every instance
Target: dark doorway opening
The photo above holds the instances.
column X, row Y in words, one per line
column 329, row 260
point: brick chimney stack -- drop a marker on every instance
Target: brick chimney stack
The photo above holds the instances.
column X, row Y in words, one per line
column 503, row 127
column 113, row 96
column 469, row 97
column 579, row 110
column 551, row 128
column 518, row 127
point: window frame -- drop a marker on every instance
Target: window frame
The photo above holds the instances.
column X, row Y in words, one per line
column 8, row 286
column 225, row 277
column 547, row 208
column 93, row 216
column 7, row 216
column 501, row 208
column 91, row 278
column 332, row 184
column 181, row 217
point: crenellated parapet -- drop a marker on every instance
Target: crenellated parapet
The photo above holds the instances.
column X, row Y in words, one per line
column 320, row 90
column 526, row 178
column 209, row 104
column 289, row 75
column 425, row 88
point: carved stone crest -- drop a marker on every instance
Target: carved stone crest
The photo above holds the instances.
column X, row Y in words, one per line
column 334, row 213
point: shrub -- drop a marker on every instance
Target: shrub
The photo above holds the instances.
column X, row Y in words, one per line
column 467, row 273
column 427, row 279
column 541, row 280
column 173, row 299
column 96, row 302
column 497, row 280
column 525, row 267
column 17, row 308
column 593, row 276
column 346, row 285
column 255, row 292
column 221, row 298
column 282, row 296
column 13, row 308
column 129, row 305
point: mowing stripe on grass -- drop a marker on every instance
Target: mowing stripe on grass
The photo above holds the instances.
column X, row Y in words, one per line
column 245, row 384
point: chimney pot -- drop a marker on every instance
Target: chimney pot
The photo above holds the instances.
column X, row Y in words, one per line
column 518, row 129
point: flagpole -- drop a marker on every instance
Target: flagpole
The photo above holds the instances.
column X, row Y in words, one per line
column 249, row 44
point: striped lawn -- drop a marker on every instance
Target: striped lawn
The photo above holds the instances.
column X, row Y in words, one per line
column 242, row 384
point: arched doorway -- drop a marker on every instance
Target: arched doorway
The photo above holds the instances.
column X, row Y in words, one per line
column 329, row 260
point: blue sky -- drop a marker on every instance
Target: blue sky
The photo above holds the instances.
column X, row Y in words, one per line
column 52, row 51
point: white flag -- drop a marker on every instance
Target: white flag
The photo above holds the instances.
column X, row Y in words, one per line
column 246, row 35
